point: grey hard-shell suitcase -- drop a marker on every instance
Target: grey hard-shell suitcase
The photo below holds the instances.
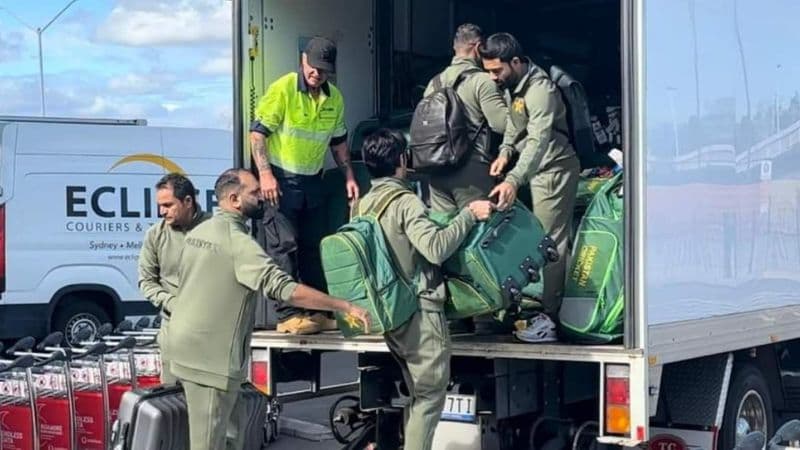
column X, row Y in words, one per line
column 152, row 419
column 156, row 419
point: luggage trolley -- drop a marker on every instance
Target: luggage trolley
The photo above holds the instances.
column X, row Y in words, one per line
column 18, row 425
column 147, row 356
column 121, row 368
column 50, row 383
column 91, row 393
column 91, row 397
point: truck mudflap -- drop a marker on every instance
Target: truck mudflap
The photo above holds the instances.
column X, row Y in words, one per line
column 682, row 439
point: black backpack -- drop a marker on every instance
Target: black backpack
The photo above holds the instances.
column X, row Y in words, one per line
column 578, row 117
column 440, row 130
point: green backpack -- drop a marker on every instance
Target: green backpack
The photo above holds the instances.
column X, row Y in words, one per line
column 593, row 306
column 359, row 268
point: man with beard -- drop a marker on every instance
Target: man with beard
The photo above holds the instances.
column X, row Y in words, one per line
column 537, row 132
column 222, row 271
column 161, row 251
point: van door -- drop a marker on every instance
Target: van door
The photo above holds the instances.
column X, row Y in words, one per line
column 7, row 147
column 8, row 142
column 285, row 26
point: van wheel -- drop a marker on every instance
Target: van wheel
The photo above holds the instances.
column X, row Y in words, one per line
column 75, row 314
column 748, row 408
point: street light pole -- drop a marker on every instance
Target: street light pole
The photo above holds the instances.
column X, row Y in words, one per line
column 39, row 32
column 41, row 71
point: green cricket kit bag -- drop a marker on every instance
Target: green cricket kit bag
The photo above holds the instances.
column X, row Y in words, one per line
column 359, row 268
column 592, row 310
column 499, row 257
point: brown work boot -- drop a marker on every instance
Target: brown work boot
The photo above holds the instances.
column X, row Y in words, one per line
column 325, row 322
column 298, row 324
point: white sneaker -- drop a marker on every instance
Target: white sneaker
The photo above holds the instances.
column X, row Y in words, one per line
column 541, row 328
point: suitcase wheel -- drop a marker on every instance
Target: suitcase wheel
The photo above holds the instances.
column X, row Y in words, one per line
column 533, row 275
column 530, row 269
column 511, row 289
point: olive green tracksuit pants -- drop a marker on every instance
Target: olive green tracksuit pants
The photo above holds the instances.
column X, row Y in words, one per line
column 553, row 194
column 166, row 372
column 215, row 421
column 422, row 348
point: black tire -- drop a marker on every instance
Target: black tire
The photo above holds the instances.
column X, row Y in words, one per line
column 351, row 431
column 74, row 313
column 747, row 384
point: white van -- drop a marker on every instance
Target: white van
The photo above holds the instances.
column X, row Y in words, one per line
column 76, row 197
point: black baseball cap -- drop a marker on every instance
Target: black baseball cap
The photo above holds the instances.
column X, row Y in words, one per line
column 321, row 53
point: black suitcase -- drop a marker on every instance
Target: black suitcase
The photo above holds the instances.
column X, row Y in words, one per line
column 152, row 419
column 255, row 417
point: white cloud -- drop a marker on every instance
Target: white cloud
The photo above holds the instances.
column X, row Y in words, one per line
column 107, row 106
column 133, row 83
column 219, row 65
column 153, row 23
column 10, row 46
column 171, row 107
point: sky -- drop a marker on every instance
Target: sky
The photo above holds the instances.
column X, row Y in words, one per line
column 166, row 61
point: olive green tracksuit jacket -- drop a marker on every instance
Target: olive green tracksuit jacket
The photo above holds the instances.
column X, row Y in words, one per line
column 158, row 275
column 537, row 131
column 422, row 345
column 222, row 270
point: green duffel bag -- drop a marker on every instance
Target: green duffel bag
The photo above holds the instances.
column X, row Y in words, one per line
column 359, row 268
column 592, row 310
column 498, row 258
column 587, row 188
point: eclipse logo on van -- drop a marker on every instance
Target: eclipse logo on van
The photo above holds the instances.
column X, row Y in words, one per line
column 114, row 205
column 151, row 158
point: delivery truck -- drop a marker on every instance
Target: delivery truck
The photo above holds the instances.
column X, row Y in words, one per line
column 702, row 99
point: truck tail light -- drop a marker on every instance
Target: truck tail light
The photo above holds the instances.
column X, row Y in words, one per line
column 260, row 371
column 617, row 401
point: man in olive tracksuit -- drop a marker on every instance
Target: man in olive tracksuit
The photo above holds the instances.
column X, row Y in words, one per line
column 161, row 251
column 222, row 269
column 537, row 132
column 487, row 113
column 422, row 345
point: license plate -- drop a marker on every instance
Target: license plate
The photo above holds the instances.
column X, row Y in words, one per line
column 459, row 408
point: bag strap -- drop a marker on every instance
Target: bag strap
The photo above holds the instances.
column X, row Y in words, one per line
column 437, row 82
column 463, row 76
column 380, row 205
column 376, row 211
